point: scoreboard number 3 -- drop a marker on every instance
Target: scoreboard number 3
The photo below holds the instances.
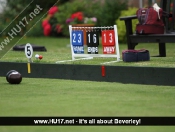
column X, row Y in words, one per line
column 74, row 38
column 108, row 38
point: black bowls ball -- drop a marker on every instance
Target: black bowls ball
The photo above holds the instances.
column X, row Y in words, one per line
column 13, row 77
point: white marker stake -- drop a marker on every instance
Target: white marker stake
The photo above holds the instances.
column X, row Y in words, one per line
column 28, row 53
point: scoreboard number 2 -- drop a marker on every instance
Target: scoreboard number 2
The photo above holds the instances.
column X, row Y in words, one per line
column 74, row 38
column 77, row 38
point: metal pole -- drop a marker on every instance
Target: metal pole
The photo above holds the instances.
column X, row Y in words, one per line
column 140, row 3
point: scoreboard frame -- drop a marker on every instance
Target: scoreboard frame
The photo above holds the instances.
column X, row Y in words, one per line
column 86, row 56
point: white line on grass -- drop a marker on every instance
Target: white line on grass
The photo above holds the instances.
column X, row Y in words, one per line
column 88, row 58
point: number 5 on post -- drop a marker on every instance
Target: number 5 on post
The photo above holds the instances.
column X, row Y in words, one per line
column 29, row 53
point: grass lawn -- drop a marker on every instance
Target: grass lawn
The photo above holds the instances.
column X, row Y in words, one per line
column 55, row 97
column 37, row 97
column 59, row 49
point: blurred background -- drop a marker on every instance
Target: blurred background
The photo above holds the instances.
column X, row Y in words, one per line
column 55, row 16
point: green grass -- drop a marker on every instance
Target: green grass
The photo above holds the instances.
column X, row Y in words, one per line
column 55, row 97
column 59, row 49
column 103, row 98
column 56, row 48
column 37, row 97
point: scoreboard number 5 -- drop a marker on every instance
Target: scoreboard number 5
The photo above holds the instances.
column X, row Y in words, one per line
column 108, row 37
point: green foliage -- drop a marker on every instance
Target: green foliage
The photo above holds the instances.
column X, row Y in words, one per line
column 106, row 12
column 5, row 25
column 18, row 5
column 65, row 11
column 121, row 24
column 18, row 9
column 34, row 28
column 110, row 11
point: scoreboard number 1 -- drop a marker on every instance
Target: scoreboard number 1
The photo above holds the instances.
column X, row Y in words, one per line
column 110, row 37
column 92, row 42
column 92, row 39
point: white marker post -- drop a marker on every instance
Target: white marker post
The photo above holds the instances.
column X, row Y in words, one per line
column 29, row 53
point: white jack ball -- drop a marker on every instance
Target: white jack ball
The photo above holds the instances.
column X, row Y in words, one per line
column 36, row 56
